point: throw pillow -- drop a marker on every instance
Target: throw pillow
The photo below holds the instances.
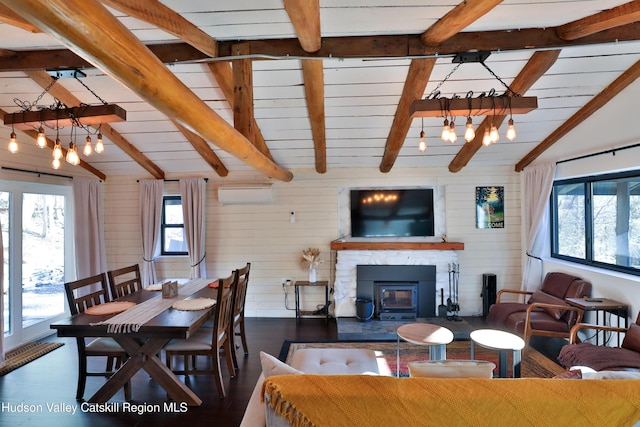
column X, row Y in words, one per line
column 274, row 366
column 631, row 339
column 452, row 369
column 541, row 297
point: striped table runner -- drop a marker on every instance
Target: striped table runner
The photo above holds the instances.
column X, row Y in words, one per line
column 132, row 319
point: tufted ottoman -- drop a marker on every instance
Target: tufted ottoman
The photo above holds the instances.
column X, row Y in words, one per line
column 324, row 361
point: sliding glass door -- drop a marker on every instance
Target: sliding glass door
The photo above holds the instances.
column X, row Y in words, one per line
column 37, row 230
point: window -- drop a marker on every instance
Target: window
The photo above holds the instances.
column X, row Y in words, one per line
column 172, row 228
column 596, row 221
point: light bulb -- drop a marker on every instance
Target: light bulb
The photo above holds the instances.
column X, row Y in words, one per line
column 55, row 164
column 486, row 138
column 72, row 155
column 453, row 136
column 57, row 150
column 13, row 143
column 87, row 147
column 41, row 140
column 493, row 134
column 469, row 133
column 511, row 131
column 99, row 146
column 422, row 146
column 445, row 131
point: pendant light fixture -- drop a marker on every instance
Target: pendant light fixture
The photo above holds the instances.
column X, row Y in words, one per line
column 422, row 145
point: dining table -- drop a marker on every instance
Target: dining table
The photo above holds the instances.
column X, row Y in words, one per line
column 144, row 341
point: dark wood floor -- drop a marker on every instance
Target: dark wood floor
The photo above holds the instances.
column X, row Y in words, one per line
column 51, row 380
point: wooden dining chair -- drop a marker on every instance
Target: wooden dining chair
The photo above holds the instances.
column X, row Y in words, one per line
column 209, row 341
column 82, row 294
column 238, row 310
column 124, row 281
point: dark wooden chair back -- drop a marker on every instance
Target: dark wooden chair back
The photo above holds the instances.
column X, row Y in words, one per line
column 223, row 316
column 81, row 295
column 85, row 293
column 241, row 293
column 124, row 281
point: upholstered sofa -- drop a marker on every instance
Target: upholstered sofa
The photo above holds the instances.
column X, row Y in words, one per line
column 338, row 390
column 546, row 313
column 361, row 400
column 598, row 358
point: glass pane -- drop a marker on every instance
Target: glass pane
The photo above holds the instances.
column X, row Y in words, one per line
column 42, row 257
column 174, row 240
column 616, row 218
column 571, row 220
column 4, row 220
column 173, row 212
column 605, row 221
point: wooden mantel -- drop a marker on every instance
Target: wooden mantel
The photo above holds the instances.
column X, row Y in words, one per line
column 416, row 246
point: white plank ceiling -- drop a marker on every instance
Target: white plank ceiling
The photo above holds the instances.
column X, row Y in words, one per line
column 361, row 95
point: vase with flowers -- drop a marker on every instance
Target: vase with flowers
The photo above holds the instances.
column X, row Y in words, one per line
column 310, row 261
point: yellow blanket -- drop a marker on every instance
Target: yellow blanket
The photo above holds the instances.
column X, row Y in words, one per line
column 362, row 400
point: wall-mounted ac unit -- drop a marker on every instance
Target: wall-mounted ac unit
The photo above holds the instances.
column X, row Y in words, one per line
column 253, row 194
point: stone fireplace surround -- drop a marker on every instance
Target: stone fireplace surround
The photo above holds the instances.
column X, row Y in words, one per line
column 399, row 251
column 389, row 253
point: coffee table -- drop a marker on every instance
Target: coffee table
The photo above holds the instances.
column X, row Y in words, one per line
column 435, row 336
column 503, row 342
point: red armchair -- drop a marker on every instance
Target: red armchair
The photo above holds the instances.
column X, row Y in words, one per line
column 546, row 313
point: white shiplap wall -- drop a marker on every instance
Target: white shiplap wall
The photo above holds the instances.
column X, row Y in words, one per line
column 264, row 236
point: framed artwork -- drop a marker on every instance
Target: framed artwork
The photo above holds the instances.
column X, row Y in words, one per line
column 489, row 207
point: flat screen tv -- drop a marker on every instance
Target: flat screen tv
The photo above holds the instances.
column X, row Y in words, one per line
column 392, row 213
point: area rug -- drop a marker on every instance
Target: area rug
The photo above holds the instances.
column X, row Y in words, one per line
column 25, row 354
column 534, row 364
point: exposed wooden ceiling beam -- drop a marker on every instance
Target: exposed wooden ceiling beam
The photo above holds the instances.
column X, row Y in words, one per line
column 242, row 70
column 63, row 58
column 538, row 64
column 8, row 16
column 313, row 73
column 392, row 46
column 92, row 31
column 456, row 20
column 69, row 99
column 84, row 165
column 223, row 75
column 156, row 13
column 610, row 92
column 204, row 149
column 621, row 15
column 305, row 17
column 414, row 86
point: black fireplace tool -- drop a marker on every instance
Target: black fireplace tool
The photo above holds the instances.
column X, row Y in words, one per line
column 453, row 308
column 442, row 309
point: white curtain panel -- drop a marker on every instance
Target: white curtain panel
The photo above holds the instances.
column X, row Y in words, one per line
column 90, row 249
column 193, row 194
column 1, row 297
column 537, row 185
column 150, row 221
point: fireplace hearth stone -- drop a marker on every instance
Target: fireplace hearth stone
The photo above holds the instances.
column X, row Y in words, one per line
column 351, row 329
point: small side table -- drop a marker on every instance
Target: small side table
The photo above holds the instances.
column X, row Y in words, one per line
column 304, row 283
column 604, row 306
column 435, row 336
column 502, row 341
